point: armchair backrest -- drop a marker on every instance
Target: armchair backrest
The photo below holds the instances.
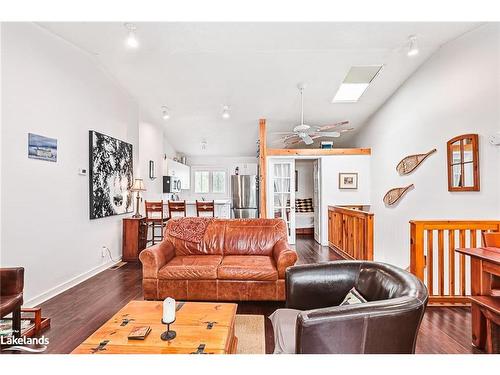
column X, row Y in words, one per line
column 387, row 323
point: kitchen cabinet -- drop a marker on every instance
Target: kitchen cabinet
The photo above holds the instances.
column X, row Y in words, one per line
column 179, row 170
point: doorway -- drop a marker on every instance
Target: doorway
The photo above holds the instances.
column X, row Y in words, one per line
column 294, row 195
column 307, row 198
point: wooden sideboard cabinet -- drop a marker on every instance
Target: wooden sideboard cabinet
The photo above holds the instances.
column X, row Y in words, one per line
column 350, row 232
column 135, row 231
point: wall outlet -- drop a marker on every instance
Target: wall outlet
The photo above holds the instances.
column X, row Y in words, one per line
column 103, row 251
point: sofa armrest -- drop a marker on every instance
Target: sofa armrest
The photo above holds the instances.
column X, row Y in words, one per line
column 284, row 256
column 11, row 281
column 345, row 329
column 155, row 257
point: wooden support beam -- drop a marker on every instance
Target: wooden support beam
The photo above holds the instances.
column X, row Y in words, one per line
column 317, row 151
column 262, row 169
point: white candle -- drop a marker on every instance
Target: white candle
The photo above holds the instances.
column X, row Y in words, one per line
column 168, row 310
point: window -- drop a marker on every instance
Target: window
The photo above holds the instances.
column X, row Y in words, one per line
column 218, row 182
column 209, row 181
column 201, row 181
column 355, row 83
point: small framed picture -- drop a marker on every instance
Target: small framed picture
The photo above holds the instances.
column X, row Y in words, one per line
column 348, row 180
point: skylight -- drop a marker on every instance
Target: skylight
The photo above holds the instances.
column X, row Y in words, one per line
column 355, row 83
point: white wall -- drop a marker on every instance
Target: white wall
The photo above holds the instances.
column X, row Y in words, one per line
column 54, row 89
column 455, row 92
column 305, row 182
column 151, row 147
column 331, row 195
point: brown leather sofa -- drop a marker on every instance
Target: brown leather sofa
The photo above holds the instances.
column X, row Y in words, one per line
column 11, row 295
column 237, row 260
column 387, row 323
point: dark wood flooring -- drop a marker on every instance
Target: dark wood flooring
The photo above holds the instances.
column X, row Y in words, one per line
column 79, row 311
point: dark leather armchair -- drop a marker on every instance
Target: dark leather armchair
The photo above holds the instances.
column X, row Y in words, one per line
column 387, row 323
column 11, row 295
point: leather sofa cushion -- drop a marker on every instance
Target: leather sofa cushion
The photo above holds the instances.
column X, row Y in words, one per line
column 253, row 237
column 247, row 267
column 198, row 267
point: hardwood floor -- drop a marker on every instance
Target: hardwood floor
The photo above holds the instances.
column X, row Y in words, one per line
column 79, row 311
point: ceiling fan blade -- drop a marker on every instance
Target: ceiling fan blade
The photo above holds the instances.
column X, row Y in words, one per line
column 346, row 130
column 327, row 134
column 281, row 133
column 307, row 140
column 331, row 126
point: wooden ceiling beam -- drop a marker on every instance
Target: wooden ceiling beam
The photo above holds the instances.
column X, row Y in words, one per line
column 317, row 151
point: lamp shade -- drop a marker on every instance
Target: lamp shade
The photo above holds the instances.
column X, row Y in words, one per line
column 138, row 185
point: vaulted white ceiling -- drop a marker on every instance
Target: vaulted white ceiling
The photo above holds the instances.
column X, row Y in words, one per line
column 195, row 68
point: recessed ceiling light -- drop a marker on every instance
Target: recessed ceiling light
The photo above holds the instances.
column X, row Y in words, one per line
column 165, row 113
column 355, row 83
column 412, row 45
column 225, row 112
column 131, row 41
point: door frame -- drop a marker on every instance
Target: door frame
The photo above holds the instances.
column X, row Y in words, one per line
column 269, row 190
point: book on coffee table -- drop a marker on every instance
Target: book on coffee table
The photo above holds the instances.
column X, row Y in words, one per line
column 139, row 333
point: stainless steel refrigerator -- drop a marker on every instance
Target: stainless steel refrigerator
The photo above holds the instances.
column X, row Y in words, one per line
column 244, row 196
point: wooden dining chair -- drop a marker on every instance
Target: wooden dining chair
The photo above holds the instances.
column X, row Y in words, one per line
column 176, row 207
column 155, row 218
column 491, row 239
column 205, row 207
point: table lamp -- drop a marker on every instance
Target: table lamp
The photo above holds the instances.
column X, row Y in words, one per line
column 138, row 186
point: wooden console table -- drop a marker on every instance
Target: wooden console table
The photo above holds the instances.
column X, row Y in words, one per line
column 135, row 231
column 485, row 297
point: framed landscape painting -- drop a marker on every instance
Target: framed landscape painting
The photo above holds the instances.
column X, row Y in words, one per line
column 111, row 176
column 42, row 148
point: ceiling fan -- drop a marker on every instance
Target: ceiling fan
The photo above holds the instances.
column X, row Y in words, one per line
column 308, row 133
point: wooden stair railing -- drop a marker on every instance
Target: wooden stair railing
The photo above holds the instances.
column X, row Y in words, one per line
column 433, row 258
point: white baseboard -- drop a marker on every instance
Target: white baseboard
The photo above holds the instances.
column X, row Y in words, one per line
column 67, row 285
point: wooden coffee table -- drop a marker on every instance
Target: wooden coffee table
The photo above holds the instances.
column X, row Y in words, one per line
column 201, row 327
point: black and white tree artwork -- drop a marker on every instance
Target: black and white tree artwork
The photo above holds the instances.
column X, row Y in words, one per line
column 111, row 176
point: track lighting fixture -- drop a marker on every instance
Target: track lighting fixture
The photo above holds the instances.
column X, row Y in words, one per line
column 131, row 41
column 225, row 112
column 165, row 113
column 412, row 45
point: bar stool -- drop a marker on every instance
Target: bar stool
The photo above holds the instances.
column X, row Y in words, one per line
column 176, row 206
column 205, row 206
column 491, row 239
column 154, row 219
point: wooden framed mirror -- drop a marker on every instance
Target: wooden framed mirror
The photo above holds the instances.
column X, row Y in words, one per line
column 463, row 163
